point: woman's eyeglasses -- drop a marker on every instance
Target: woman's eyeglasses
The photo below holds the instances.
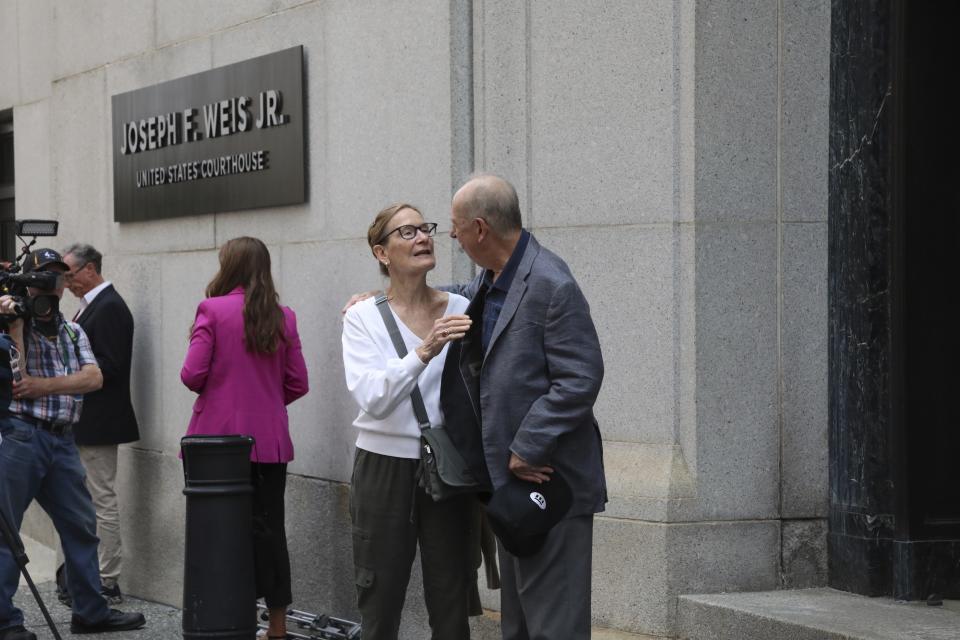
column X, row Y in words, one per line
column 409, row 231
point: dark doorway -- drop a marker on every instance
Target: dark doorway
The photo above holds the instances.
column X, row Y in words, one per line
column 894, row 344
column 931, row 269
column 7, row 209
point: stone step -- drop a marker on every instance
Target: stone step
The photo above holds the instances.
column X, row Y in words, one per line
column 813, row 614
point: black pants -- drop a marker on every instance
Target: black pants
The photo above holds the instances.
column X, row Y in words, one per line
column 271, row 560
column 391, row 516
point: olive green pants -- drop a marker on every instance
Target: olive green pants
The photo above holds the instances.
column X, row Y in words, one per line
column 390, row 516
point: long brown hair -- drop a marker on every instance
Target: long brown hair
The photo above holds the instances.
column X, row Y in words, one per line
column 245, row 262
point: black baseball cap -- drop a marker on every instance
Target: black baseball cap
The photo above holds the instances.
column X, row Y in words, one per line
column 522, row 513
column 42, row 258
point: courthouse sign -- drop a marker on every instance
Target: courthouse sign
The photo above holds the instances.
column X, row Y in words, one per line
column 226, row 139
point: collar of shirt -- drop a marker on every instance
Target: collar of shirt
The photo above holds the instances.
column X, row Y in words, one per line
column 510, row 269
column 93, row 293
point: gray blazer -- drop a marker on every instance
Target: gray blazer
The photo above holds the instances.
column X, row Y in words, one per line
column 533, row 390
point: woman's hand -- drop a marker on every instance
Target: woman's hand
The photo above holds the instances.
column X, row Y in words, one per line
column 445, row 329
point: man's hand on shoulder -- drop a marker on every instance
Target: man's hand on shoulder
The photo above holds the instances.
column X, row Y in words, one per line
column 357, row 297
column 528, row 472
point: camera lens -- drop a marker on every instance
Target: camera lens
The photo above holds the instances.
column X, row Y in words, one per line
column 40, row 305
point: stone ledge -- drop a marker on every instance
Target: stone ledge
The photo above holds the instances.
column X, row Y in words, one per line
column 813, row 614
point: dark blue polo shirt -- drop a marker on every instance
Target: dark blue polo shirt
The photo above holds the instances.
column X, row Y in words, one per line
column 496, row 292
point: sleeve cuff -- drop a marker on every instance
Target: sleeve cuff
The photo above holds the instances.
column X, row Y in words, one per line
column 527, row 452
column 413, row 365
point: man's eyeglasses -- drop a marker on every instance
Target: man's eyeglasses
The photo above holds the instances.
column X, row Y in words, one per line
column 409, row 231
column 68, row 275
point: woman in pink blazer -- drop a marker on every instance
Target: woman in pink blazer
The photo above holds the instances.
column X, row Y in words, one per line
column 246, row 363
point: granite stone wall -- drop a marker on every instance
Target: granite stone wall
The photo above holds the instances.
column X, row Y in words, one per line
column 674, row 153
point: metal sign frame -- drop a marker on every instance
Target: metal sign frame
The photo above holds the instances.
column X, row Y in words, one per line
column 222, row 140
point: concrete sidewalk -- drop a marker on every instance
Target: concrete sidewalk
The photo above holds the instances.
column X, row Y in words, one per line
column 163, row 622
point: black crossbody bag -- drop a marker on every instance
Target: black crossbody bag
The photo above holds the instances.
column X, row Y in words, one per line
column 442, row 472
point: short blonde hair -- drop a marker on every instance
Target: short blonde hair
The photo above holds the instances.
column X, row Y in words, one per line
column 378, row 226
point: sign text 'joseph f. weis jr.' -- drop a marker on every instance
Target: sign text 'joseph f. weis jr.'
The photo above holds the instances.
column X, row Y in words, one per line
column 230, row 138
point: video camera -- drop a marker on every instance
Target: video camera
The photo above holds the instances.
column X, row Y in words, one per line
column 14, row 282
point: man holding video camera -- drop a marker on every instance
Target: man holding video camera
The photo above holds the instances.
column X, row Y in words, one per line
column 38, row 457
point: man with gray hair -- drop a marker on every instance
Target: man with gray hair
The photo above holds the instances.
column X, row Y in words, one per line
column 518, row 393
column 532, row 368
column 107, row 419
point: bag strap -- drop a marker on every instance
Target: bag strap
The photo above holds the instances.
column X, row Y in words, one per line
column 75, row 338
column 418, row 407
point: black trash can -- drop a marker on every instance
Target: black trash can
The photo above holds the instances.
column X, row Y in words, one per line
column 219, row 592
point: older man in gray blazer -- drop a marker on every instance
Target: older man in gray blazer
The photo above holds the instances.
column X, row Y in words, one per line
column 532, row 368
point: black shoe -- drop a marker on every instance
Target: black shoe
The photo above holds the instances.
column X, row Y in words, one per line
column 112, row 594
column 17, row 633
column 64, row 598
column 63, row 594
column 116, row 621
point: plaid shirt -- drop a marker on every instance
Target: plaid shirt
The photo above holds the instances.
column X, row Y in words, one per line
column 50, row 358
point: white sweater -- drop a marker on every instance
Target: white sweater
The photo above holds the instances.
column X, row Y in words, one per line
column 381, row 382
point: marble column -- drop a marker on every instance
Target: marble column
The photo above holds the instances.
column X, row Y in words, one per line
column 881, row 541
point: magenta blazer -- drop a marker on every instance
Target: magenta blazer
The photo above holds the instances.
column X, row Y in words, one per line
column 242, row 393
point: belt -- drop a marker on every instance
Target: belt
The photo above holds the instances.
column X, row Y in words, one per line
column 48, row 426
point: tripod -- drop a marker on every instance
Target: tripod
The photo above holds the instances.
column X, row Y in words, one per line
column 12, row 539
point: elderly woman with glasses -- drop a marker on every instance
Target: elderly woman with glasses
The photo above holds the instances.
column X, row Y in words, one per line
column 390, row 513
